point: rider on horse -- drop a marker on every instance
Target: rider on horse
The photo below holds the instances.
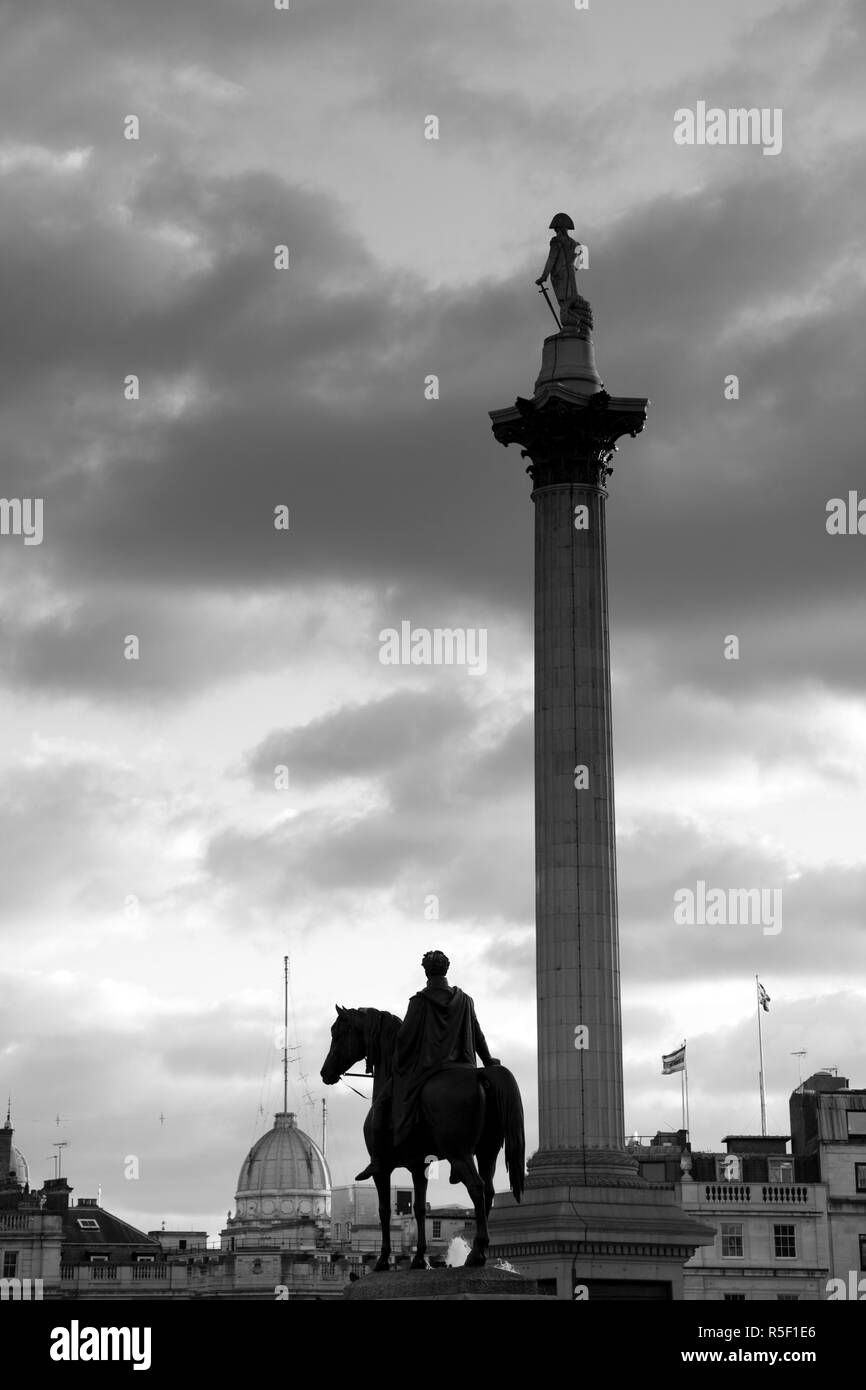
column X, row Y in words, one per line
column 440, row 1029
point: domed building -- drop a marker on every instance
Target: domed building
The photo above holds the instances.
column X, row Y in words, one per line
column 284, row 1182
column 280, row 1230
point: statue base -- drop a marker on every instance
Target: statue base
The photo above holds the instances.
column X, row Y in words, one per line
column 588, row 1221
column 568, row 359
column 487, row 1284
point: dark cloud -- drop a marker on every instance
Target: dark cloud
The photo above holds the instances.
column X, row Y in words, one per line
column 432, row 758
column 657, row 860
column 288, row 388
column 373, row 738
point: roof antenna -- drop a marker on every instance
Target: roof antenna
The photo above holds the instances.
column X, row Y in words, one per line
column 285, row 1034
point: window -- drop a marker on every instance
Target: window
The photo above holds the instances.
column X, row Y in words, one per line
column 10, row 1264
column 862, row 1240
column 437, row 1230
column 857, row 1126
column 780, row 1170
column 87, row 1223
column 788, row 1298
column 728, row 1168
column 785, row 1242
column 653, row 1172
column 181, row 1245
column 99, row 1259
column 732, row 1240
column 734, row 1297
column 860, row 1177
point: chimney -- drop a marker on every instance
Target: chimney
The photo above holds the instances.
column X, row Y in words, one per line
column 57, row 1192
column 825, row 1081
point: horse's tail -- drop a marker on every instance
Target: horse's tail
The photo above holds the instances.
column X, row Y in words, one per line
column 504, row 1095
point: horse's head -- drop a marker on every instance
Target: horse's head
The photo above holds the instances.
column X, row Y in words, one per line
column 347, row 1045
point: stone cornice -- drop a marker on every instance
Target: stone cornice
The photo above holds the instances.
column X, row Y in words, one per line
column 516, row 1248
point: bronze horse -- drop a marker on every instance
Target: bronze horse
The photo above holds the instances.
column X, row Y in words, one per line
column 465, row 1114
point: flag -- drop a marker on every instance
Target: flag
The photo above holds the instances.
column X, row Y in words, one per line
column 763, row 998
column 674, row 1061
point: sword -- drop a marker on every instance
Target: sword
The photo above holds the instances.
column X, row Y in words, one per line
column 542, row 290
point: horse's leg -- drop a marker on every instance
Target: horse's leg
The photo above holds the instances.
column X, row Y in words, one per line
column 419, row 1181
column 464, row 1170
column 486, row 1160
column 383, row 1187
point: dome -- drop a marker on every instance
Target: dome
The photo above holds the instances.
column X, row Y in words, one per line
column 284, row 1175
column 19, row 1167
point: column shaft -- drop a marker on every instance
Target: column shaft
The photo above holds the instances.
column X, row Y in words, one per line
column 580, row 1089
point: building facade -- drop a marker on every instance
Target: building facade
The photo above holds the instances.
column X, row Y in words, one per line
column 828, row 1128
column 790, row 1224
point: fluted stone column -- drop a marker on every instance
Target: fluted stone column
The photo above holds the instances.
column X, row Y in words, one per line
column 579, row 1027
column 568, row 431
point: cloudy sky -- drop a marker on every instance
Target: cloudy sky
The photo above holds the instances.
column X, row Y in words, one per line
column 153, row 876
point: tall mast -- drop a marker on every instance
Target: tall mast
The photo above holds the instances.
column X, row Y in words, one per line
column 285, row 1034
column 761, row 1060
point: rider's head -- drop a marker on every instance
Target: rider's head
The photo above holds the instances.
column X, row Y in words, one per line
column 435, row 963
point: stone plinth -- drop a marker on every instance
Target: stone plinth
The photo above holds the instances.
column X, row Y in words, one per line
column 617, row 1239
column 485, row 1284
column 569, row 358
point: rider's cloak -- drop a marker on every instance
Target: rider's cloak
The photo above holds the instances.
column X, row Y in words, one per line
column 440, row 1028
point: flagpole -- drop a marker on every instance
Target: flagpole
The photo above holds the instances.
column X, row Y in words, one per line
column 686, row 1088
column 761, row 1059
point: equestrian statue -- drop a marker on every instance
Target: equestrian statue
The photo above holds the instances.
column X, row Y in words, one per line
column 431, row 1101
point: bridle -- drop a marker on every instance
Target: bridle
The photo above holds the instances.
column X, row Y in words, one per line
column 359, row 1075
column 354, row 1088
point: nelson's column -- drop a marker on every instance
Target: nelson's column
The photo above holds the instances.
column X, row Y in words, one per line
column 587, row 1216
